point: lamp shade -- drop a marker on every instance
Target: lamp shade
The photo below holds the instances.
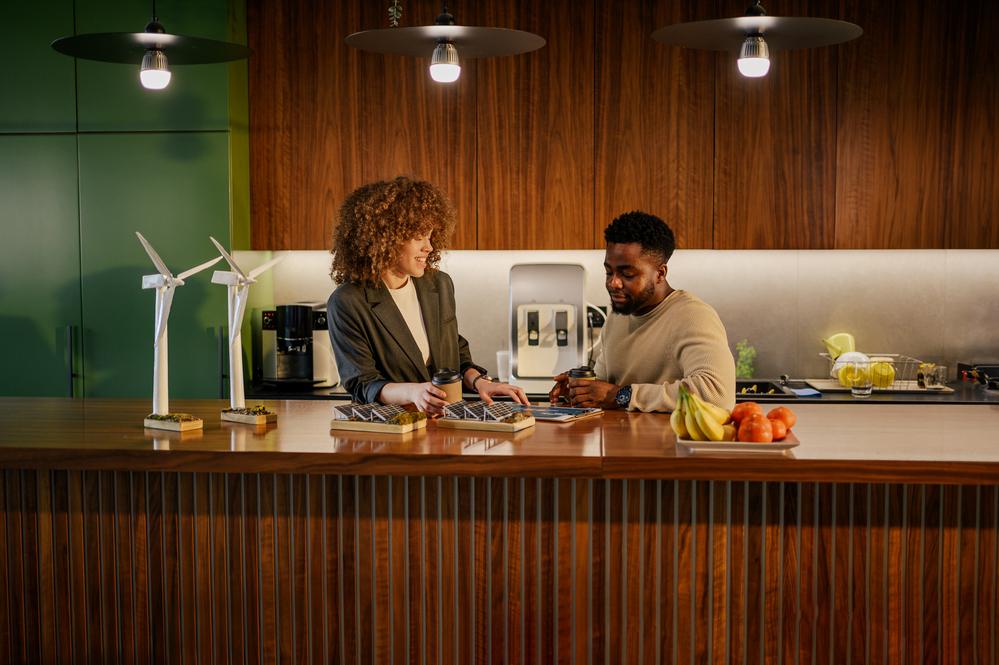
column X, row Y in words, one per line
column 780, row 32
column 130, row 47
column 470, row 41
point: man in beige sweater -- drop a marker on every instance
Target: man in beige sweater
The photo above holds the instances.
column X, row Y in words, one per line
column 656, row 336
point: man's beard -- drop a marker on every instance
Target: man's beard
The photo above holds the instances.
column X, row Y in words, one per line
column 632, row 305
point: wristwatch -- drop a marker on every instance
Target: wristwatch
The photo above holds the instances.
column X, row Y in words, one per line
column 483, row 374
column 623, row 397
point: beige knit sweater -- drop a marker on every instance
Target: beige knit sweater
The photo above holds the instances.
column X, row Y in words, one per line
column 682, row 338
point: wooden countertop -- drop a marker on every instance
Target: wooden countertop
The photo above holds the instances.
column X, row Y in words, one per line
column 840, row 443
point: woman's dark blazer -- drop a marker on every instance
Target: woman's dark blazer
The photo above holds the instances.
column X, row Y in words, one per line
column 373, row 345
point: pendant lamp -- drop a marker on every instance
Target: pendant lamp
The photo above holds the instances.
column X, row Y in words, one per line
column 153, row 50
column 756, row 34
column 445, row 43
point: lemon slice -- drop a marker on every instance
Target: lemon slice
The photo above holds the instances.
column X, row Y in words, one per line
column 839, row 344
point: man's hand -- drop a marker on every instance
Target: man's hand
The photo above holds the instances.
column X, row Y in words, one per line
column 589, row 392
column 560, row 389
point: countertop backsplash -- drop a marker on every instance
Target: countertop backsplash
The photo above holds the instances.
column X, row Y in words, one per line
column 936, row 305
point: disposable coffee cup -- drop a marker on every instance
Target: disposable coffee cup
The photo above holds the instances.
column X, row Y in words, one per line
column 582, row 373
column 449, row 381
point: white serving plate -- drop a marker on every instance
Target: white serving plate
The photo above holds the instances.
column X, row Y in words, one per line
column 790, row 441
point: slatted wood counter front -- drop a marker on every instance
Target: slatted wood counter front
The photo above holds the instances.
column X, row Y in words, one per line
column 590, row 543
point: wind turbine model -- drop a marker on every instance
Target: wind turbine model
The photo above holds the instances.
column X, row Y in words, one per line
column 239, row 289
column 164, row 282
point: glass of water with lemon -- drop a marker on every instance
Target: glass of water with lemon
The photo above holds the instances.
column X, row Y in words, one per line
column 858, row 376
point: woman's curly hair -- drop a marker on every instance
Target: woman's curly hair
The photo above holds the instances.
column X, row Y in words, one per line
column 377, row 218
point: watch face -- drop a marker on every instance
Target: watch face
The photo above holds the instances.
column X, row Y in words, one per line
column 623, row 396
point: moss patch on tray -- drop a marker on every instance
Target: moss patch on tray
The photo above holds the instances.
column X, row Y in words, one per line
column 258, row 410
column 173, row 417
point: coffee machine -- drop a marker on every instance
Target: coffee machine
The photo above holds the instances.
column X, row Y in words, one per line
column 548, row 330
column 292, row 347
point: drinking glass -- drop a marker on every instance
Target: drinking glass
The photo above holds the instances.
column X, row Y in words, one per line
column 937, row 378
column 858, row 376
column 503, row 366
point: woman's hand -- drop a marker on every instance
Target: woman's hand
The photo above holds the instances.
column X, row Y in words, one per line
column 488, row 389
column 427, row 397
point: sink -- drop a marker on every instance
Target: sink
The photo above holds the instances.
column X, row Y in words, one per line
column 754, row 389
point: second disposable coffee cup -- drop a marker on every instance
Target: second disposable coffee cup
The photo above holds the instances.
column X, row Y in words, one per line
column 449, row 381
column 584, row 373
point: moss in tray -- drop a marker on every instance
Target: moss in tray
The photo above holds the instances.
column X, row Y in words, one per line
column 258, row 410
column 408, row 418
column 173, row 417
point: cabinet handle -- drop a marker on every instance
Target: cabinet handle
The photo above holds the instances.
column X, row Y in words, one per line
column 221, row 353
column 70, row 361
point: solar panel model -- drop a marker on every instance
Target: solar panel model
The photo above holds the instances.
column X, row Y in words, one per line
column 388, row 418
column 495, row 417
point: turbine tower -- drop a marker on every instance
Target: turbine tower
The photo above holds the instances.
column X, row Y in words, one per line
column 165, row 283
column 238, row 283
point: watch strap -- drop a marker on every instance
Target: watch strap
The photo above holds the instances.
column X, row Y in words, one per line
column 481, row 375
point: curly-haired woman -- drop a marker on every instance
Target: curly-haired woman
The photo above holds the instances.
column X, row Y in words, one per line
column 392, row 319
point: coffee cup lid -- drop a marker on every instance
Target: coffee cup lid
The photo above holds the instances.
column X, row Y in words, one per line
column 446, row 375
column 582, row 373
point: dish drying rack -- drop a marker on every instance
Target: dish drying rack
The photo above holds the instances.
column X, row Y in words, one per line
column 906, row 371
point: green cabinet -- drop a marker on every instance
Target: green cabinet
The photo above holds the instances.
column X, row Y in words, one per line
column 174, row 189
column 37, row 89
column 39, row 262
column 109, row 95
column 88, row 157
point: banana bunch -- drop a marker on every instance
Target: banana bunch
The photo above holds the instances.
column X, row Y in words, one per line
column 698, row 420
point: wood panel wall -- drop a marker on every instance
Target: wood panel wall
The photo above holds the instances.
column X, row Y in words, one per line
column 775, row 154
column 889, row 141
column 534, row 130
column 897, row 113
column 110, row 567
column 655, row 120
column 326, row 118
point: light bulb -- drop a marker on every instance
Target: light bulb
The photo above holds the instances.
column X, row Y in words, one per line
column 154, row 73
column 754, row 57
column 444, row 67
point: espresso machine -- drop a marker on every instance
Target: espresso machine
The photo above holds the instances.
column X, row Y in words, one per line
column 547, row 322
column 292, row 347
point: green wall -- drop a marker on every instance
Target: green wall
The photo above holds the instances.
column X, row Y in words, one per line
column 88, row 157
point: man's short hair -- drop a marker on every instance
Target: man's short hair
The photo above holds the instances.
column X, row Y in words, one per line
column 647, row 230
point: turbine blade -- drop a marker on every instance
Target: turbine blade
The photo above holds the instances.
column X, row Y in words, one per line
column 242, row 295
column 259, row 270
column 228, row 257
column 199, row 268
column 164, row 312
column 157, row 261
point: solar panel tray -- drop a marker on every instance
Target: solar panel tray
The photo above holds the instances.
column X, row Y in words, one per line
column 482, row 416
column 371, row 418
